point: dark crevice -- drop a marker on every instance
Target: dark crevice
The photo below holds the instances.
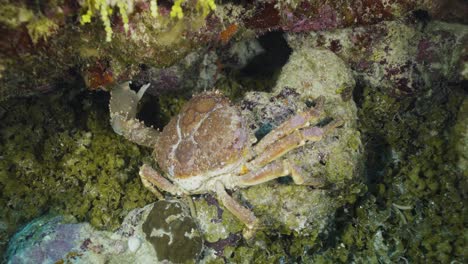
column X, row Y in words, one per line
column 268, row 63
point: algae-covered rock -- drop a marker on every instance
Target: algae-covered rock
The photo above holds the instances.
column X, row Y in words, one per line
column 318, row 72
column 333, row 165
column 61, row 239
column 216, row 223
column 313, row 72
column 173, row 232
column 414, row 209
column 296, row 208
column 401, row 58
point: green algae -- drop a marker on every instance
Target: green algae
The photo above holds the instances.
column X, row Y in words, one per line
column 41, row 28
column 59, row 155
column 14, row 15
column 414, row 211
column 459, row 138
column 247, row 254
column 38, row 26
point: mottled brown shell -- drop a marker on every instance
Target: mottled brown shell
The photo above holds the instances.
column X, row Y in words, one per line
column 206, row 136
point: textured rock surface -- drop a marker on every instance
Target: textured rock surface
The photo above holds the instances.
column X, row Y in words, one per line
column 44, row 45
column 172, row 232
column 337, row 158
column 401, row 58
column 162, row 231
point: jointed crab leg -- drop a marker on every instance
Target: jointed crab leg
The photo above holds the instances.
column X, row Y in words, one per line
column 151, row 178
column 276, row 169
column 296, row 122
column 296, row 139
column 136, row 131
column 242, row 213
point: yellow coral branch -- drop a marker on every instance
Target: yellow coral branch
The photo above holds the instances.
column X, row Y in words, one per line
column 176, row 10
column 104, row 9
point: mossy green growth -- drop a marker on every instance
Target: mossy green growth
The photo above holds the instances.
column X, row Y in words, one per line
column 459, row 138
column 59, row 154
column 14, row 15
column 338, row 170
column 170, row 106
column 41, row 28
column 249, row 254
column 415, row 208
column 38, row 26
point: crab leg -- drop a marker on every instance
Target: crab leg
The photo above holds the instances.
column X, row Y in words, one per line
column 241, row 212
column 152, row 179
column 275, row 170
column 296, row 122
column 136, row 131
column 296, row 139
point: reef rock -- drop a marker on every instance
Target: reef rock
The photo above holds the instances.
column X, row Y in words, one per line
column 163, row 231
column 401, row 58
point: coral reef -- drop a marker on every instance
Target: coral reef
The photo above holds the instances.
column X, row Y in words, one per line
column 410, row 110
column 400, row 57
column 43, row 43
column 414, row 210
column 393, row 179
column 411, row 171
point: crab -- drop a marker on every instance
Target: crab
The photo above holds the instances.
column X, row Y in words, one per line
column 207, row 147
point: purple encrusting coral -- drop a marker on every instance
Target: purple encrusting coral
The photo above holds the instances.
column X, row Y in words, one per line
column 399, row 57
column 45, row 240
column 57, row 249
column 326, row 18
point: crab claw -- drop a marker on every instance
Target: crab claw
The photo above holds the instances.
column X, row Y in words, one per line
column 123, row 110
column 123, row 105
